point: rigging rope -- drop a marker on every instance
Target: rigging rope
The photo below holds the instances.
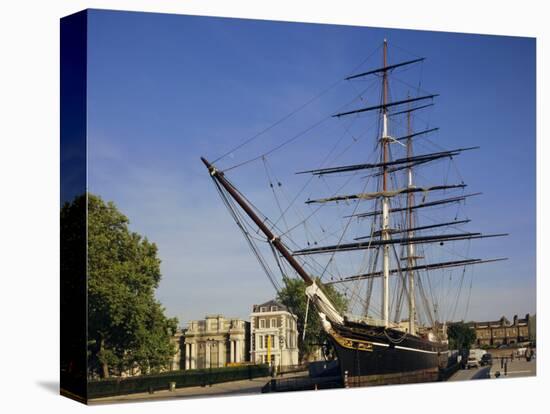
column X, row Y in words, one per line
column 345, row 230
column 284, row 118
column 273, row 190
column 289, row 140
column 370, row 284
column 281, row 120
column 234, row 213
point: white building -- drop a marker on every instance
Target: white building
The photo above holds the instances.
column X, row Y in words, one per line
column 177, row 340
column 216, row 342
column 271, row 324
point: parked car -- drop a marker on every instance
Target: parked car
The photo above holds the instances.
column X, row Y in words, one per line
column 486, row 359
column 520, row 352
column 473, row 362
column 478, row 353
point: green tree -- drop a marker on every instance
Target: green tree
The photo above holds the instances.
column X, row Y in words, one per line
column 293, row 296
column 127, row 327
column 460, row 335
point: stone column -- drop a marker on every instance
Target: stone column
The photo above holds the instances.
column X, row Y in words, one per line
column 187, row 356
column 207, row 354
column 231, row 352
column 237, row 351
column 193, row 347
column 221, row 354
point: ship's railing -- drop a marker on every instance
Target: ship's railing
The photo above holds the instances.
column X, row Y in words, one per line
column 370, row 321
column 289, row 369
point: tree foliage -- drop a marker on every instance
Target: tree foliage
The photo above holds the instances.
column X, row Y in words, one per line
column 127, row 327
column 293, row 296
column 460, row 335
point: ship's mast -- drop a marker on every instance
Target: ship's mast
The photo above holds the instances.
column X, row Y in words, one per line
column 385, row 200
column 314, row 291
column 411, row 259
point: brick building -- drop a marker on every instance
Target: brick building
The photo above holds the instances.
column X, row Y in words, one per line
column 502, row 331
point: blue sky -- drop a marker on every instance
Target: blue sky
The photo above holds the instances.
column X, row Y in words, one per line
column 164, row 90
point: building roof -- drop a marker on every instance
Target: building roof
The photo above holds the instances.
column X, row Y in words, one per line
column 268, row 305
column 502, row 322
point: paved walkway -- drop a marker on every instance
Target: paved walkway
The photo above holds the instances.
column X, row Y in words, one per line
column 470, row 374
column 516, row 368
column 253, row 386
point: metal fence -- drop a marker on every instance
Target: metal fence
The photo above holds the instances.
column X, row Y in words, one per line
column 173, row 379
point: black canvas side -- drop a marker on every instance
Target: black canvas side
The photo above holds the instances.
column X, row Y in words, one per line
column 73, row 316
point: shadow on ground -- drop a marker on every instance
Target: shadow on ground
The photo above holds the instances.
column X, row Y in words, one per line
column 51, row 386
column 482, row 373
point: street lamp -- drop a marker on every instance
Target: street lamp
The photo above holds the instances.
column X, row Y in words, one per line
column 281, row 350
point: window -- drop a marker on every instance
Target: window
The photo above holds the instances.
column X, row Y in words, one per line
column 263, row 309
column 262, row 323
column 267, row 339
column 273, row 323
column 274, row 309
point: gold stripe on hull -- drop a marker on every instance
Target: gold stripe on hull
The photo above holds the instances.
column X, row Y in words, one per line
column 356, row 344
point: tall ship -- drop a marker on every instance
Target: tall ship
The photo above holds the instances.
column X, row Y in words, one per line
column 387, row 246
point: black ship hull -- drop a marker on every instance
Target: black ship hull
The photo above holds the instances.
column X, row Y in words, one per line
column 372, row 355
